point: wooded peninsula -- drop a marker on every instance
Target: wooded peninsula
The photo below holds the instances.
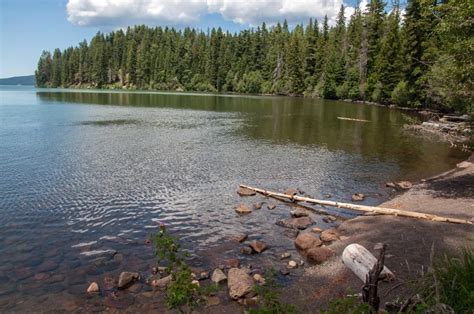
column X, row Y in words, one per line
column 417, row 57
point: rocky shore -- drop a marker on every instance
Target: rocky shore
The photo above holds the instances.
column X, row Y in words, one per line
column 412, row 245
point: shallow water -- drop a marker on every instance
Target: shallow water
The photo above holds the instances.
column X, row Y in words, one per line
column 85, row 177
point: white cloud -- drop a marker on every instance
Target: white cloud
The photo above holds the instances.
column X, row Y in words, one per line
column 184, row 12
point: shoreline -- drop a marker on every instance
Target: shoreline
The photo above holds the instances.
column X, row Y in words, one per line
column 413, row 245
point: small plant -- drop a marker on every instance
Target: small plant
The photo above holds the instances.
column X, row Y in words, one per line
column 451, row 283
column 269, row 298
column 349, row 305
column 181, row 290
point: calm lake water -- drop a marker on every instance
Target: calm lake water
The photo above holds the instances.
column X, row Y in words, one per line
column 86, row 176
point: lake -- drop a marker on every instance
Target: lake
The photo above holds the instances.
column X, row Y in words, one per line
column 86, row 176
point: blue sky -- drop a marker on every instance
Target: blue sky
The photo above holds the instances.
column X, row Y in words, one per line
column 27, row 27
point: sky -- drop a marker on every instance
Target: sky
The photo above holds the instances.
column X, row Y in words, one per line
column 27, row 27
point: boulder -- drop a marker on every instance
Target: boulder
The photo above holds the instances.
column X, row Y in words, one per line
column 318, row 255
column 357, row 197
column 162, row 282
column 93, row 288
column 126, row 279
column 329, row 235
column 299, row 212
column 246, row 192
column 306, row 241
column 243, row 209
column 258, row 246
column 218, row 276
column 239, row 283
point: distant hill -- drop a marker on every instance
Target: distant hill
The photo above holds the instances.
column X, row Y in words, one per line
column 18, row 80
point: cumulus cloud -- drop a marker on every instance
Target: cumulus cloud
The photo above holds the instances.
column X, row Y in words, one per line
column 185, row 12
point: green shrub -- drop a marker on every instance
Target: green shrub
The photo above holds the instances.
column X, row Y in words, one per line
column 400, row 94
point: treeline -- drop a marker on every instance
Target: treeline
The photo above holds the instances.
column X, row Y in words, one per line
column 423, row 58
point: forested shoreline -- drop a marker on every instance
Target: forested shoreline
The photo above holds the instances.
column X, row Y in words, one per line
column 419, row 58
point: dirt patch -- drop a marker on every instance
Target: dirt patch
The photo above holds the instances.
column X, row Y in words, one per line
column 412, row 244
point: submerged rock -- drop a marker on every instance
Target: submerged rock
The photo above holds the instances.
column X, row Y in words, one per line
column 299, row 213
column 243, row 209
column 329, row 235
column 306, row 241
column 357, row 197
column 271, row 206
column 93, row 288
column 257, row 205
column 126, row 279
column 218, row 276
column 241, row 237
column 246, row 192
column 258, row 246
column 296, row 223
column 232, row 262
column 291, row 233
column 246, row 250
column 239, row 283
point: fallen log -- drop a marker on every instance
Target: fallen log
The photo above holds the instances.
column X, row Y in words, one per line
column 358, row 259
column 352, row 119
column 362, row 208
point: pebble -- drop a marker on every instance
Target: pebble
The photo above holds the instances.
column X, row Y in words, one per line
column 259, row 278
column 257, row 206
column 292, row 264
column 258, row 246
column 285, row 255
column 212, row 301
column 242, row 237
column 246, row 192
column 246, row 250
column 271, row 206
column 204, row 275
column 316, row 230
column 196, row 283
column 357, row 197
column 93, row 288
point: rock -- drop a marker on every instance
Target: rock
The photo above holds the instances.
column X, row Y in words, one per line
column 154, row 270
column 296, row 223
column 161, row 283
column 204, row 275
column 357, row 197
column 326, row 220
column 246, row 192
column 299, row 212
column 271, row 206
column 243, row 209
column 239, row 283
column 257, row 206
column 316, row 230
column 195, row 283
column 291, row 191
column 344, row 238
column 249, row 302
column 232, row 262
column 390, row 185
column 404, row 185
column 93, row 288
column 332, row 218
column 318, row 255
column 127, row 278
column 285, row 255
column 464, row 164
column 291, row 233
column 292, row 264
column 306, row 241
column 241, row 237
column 212, row 301
column 246, row 250
column 258, row 246
column 218, row 276
column 284, row 271
column 329, row 235
column 259, row 278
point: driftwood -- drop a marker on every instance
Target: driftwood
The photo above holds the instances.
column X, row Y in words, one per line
column 362, row 208
column 352, row 119
column 358, row 259
column 370, row 289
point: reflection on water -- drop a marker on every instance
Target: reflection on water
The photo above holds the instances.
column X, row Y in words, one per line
column 86, row 176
